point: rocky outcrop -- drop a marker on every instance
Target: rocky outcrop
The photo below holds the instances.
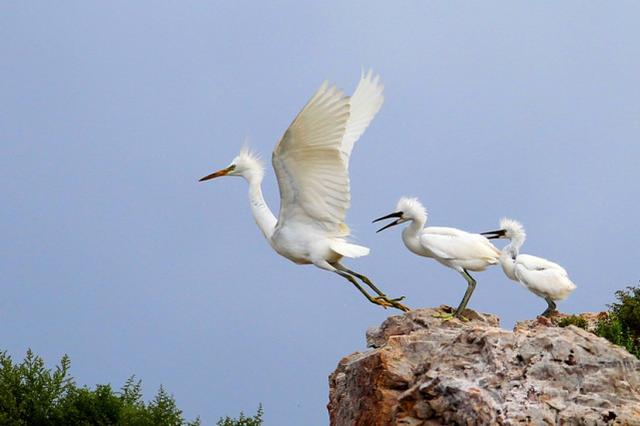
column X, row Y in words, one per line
column 422, row 370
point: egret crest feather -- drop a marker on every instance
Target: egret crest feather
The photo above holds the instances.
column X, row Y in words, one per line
column 514, row 230
column 411, row 207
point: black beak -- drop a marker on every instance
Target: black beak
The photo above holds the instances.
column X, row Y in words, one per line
column 494, row 234
column 389, row 216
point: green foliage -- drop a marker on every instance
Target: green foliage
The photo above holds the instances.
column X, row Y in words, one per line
column 622, row 326
column 242, row 420
column 31, row 394
column 576, row 320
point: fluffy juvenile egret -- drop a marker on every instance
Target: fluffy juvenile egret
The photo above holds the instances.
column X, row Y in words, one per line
column 451, row 247
column 311, row 163
column 542, row 277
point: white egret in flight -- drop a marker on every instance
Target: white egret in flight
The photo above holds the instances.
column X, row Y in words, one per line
column 540, row 276
column 451, row 247
column 311, row 162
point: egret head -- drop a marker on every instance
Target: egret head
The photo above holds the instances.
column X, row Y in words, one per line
column 407, row 209
column 509, row 229
column 246, row 164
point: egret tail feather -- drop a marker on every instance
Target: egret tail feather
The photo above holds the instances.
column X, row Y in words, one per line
column 349, row 250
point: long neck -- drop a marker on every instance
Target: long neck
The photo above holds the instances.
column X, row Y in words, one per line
column 513, row 247
column 508, row 256
column 415, row 227
column 507, row 262
column 411, row 234
column 263, row 216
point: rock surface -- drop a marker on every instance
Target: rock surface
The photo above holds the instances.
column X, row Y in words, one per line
column 425, row 371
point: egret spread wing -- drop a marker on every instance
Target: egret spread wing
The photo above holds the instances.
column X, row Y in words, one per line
column 312, row 176
column 364, row 105
column 451, row 243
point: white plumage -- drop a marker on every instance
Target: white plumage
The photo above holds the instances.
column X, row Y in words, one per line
column 542, row 277
column 311, row 163
column 454, row 248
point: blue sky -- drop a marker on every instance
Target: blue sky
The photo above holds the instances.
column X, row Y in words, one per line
column 111, row 111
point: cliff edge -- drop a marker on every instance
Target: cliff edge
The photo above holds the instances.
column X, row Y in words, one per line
column 425, row 371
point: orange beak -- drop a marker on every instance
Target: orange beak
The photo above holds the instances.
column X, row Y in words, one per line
column 219, row 173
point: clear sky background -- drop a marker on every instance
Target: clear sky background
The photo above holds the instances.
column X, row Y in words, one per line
column 110, row 112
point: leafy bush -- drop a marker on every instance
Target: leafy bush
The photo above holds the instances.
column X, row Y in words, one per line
column 576, row 320
column 622, row 326
column 31, row 394
column 242, row 420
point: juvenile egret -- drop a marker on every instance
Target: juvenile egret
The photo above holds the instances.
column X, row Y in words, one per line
column 451, row 247
column 311, row 163
column 542, row 277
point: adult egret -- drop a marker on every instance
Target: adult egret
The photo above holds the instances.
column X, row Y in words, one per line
column 451, row 247
column 311, row 164
column 540, row 276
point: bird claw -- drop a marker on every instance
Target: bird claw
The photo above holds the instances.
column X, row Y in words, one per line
column 444, row 316
column 402, row 307
column 385, row 302
column 382, row 301
column 398, row 305
column 448, row 316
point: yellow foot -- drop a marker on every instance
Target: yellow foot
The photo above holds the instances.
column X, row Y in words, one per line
column 385, row 302
column 382, row 301
column 399, row 305
column 448, row 316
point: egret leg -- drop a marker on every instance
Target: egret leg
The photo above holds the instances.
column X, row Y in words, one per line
column 394, row 302
column 550, row 309
column 375, row 300
column 471, row 285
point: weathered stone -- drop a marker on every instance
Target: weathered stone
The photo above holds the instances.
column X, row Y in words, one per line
column 424, row 371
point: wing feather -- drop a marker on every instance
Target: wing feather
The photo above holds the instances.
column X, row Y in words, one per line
column 535, row 263
column 543, row 277
column 451, row 243
column 312, row 158
column 364, row 105
column 312, row 178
